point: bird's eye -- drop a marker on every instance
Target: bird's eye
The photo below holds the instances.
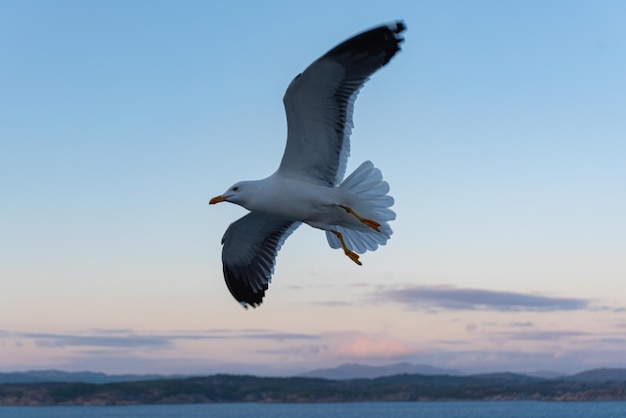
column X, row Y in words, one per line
column 235, row 189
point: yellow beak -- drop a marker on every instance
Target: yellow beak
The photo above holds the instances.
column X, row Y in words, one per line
column 218, row 199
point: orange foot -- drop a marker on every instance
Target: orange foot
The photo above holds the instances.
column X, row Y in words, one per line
column 351, row 254
column 369, row 222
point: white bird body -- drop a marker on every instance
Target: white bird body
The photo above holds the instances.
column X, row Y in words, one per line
column 314, row 204
column 297, row 200
column 308, row 187
column 269, row 196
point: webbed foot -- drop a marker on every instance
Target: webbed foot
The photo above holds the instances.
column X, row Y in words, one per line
column 351, row 254
column 369, row 222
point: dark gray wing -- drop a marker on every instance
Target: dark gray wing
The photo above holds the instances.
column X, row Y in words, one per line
column 251, row 245
column 320, row 101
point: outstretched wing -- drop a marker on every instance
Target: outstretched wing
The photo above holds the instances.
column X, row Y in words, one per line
column 249, row 254
column 319, row 103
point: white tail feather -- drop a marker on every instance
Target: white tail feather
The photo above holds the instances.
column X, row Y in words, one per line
column 371, row 202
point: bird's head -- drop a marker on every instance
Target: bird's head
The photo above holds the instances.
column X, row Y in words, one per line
column 235, row 194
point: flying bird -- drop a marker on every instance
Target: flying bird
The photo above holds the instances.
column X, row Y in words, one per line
column 308, row 186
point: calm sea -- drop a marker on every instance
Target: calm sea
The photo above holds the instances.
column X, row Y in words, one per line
column 500, row 409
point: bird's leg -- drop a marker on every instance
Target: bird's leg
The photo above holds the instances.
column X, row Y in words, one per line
column 372, row 224
column 351, row 254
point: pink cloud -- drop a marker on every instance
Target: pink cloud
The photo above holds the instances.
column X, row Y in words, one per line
column 355, row 344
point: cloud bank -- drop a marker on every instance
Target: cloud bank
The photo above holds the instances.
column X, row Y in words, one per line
column 455, row 298
column 100, row 338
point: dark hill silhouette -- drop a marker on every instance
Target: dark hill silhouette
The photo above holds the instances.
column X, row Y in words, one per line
column 229, row 388
column 361, row 371
column 599, row 375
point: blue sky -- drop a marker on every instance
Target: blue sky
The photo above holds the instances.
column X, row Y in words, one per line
column 500, row 128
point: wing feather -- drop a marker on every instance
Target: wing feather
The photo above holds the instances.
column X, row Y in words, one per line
column 250, row 247
column 319, row 104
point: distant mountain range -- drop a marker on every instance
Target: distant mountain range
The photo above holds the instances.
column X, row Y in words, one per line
column 231, row 388
column 598, row 375
column 40, row 376
column 361, row 371
column 344, row 372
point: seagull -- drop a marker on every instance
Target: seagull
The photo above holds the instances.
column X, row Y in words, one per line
column 308, row 186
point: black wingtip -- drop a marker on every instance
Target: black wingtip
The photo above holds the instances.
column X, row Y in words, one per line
column 396, row 28
column 400, row 26
column 384, row 38
column 245, row 295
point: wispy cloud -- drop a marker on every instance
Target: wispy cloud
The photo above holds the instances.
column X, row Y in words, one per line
column 354, row 344
column 614, row 340
column 557, row 335
column 451, row 342
column 337, row 346
column 455, row 298
column 563, row 360
column 102, row 338
column 518, row 347
column 525, row 324
column 333, row 303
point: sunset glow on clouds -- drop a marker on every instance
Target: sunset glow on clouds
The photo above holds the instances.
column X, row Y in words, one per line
column 358, row 345
column 470, row 340
column 499, row 129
